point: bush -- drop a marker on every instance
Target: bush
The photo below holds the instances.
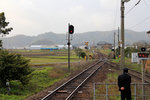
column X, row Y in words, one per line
column 83, row 54
column 128, row 51
column 14, row 67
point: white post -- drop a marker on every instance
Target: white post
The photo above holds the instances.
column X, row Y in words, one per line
column 94, row 90
column 143, row 82
column 106, row 91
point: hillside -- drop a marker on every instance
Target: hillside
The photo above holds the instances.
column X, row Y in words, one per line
column 78, row 38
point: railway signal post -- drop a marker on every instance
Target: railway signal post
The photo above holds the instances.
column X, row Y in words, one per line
column 143, row 56
column 143, row 74
column 70, row 31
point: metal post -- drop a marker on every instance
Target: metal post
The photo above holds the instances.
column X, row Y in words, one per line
column 135, row 91
column 118, row 44
column 68, row 50
column 122, row 34
column 8, row 87
column 78, row 49
column 114, row 47
column 94, row 90
column 143, row 82
column 106, row 91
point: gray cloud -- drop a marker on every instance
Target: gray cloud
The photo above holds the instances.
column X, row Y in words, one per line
column 32, row 17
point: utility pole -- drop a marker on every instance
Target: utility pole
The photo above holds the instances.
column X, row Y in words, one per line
column 114, row 47
column 118, row 44
column 122, row 33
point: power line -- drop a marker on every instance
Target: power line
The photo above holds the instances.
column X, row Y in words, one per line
column 146, row 4
column 133, row 7
column 140, row 22
column 115, row 18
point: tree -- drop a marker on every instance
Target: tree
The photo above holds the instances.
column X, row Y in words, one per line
column 14, row 67
column 3, row 26
column 83, row 54
column 130, row 50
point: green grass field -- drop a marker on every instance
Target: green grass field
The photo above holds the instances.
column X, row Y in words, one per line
column 24, row 50
column 52, row 59
column 41, row 78
column 48, row 59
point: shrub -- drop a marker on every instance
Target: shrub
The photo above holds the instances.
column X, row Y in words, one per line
column 14, row 67
column 83, row 54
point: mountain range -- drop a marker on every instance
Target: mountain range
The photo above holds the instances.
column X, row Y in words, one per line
column 92, row 37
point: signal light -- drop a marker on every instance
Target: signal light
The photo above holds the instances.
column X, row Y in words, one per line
column 143, row 55
column 143, row 49
column 86, row 47
column 71, row 29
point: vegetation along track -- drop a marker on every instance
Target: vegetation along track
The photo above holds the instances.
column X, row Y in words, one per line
column 133, row 73
column 67, row 90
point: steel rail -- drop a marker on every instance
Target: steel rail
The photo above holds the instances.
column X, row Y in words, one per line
column 76, row 90
column 61, row 86
column 147, row 75
column 139, row 78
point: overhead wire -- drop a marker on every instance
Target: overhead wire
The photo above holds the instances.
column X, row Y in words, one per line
column 146, row 4
column 140, row 22
column 116, row 13
column 133, row 7
column 143, row 19
column 115, row 17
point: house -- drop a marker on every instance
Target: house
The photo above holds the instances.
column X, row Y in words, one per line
column 104, row 45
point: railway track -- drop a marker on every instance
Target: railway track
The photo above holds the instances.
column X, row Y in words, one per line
column 134, row 73
column 139, row 75
column 67, row 90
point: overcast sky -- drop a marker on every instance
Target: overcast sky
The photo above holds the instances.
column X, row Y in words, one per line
column 33, row 17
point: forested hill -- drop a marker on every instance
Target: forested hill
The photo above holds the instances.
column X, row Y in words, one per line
column 78, row 38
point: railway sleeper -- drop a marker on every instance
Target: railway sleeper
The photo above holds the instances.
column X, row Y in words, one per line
column 62, row 91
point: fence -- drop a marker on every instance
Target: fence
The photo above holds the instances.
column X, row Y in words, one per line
column 104, row 91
